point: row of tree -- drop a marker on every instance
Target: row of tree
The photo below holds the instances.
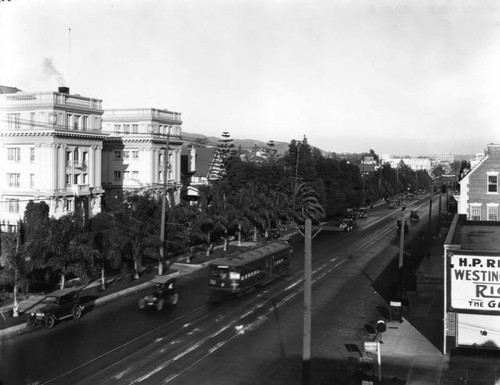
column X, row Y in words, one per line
column 249, row 198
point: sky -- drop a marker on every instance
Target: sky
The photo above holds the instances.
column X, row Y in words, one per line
column 403, row 77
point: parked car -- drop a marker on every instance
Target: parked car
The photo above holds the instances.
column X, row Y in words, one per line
column 163, row 293
column 362, row 212
column 414, row 217
column 56, row 306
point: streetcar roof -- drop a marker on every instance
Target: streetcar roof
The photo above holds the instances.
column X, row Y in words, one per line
column 250, row 255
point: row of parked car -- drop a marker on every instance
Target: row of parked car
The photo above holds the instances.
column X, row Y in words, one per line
column 66, row 303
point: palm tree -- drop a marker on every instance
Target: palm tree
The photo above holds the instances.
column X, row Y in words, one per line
column 110, row 240
column 307, row 205
column 68, row 248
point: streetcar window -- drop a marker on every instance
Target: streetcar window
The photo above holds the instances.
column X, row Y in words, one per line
column 220, row 273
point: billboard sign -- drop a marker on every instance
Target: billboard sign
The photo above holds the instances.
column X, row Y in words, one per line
column 473, row 283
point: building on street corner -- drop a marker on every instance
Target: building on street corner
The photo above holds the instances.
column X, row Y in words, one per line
column 50, row 149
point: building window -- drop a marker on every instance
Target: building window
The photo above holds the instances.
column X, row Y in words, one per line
column 85, row 155
column 160, row 176
column 117, row 175
column 492, row 212
column 135, row 154
column 32, row 119
column 13, row 120
column 76, row 178
column 135, row 175
column 14, row 154
column 68, row 179
column 68, row 158
column 32, row 180
column 76, row 122
column 68, row 121
column 85, row 178
column 492, row 182
column 68, row 205
column 126, row 154
column 85, row 123
column 126, row 175
column 475, row 212
column 117, row 128
column 118, row 154
column 135, row 128
column 32, row 154
column 13, row 206
column 126, row 128
column 13, row 179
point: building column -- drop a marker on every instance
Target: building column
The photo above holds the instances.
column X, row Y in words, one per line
column 62, row 167
column 91, row 166
column 155, row 166
column 151, row 167
column 54, row 167
column 98, row 167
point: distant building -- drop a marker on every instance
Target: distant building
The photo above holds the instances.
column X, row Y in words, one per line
column 201, row 166
column 368, row 165
column 416, row 164
column 479, row 197
column 50, row 150
column 133, row 154
column 445, row 158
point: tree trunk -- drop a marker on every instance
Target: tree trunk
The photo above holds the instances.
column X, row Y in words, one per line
column 63, row 281
column 255, row 233
column 160, row 267
column 103, row 279
column 15, row 308
column 136, row 269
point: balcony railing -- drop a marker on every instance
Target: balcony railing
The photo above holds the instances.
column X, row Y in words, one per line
column 79, row 189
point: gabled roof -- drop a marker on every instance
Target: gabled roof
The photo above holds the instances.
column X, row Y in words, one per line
column 8, row 90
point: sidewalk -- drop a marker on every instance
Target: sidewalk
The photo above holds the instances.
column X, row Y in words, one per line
column 411, row 352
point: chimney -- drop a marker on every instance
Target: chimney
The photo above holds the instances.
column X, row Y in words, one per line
column 64, row 90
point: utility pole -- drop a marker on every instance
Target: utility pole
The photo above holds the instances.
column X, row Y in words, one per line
column 306, row 348
column 402, row 237
column 295, row 181
column 164, row 204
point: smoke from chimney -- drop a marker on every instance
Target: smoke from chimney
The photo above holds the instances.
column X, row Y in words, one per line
column 48, row 70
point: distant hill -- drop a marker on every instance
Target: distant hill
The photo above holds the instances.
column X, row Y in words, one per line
column 245, row 144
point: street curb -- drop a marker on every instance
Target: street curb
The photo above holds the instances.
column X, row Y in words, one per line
column 19, row 329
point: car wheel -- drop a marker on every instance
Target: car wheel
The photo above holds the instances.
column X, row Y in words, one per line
column 50, row 322
column 142, row 303
column 174, row 299
column 77, row 312
column 159, row 305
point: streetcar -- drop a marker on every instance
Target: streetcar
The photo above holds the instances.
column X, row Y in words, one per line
column 237, row 274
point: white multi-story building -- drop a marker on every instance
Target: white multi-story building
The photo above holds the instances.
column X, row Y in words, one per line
column 133, row 154
column 445, row 158
column 50, row 150
column 416, row 164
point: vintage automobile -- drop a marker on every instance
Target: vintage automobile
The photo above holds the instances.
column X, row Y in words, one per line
column 362, row 213
column 164, row 292
column 56, row 306
column 414, row 217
